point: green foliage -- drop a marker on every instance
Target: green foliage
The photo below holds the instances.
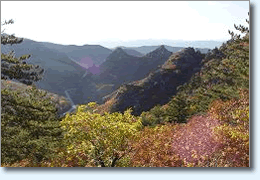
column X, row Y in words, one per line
column 225, row 70
column 176, row 111
column 102, row 140
column 29, row 127
column 17, row 68
column 153, row 117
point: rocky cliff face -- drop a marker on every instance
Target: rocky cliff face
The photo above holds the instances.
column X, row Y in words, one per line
column 160, row 85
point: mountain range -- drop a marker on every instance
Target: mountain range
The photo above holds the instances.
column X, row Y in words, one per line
column 147, row 49
column 211, row 44
column 159, row 86
column 121, row 67
column 82, row 70
column 60, row 72
column 86, row 55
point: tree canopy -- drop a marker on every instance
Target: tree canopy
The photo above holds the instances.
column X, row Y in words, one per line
column 103, row 139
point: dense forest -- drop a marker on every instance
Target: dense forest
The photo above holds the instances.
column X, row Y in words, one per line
column 205, row 124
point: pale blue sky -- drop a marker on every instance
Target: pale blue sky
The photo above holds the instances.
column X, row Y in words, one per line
column 95, row 22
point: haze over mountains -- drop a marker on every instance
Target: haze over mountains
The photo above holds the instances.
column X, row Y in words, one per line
column 146, row 49
column 86, row 55
column 90, row 72
column 59, row 69
column 211, row 44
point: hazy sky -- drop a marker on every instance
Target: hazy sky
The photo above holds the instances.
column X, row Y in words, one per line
column 98, row 22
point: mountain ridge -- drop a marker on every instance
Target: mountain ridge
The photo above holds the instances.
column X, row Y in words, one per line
column 152, row 90
column 120, row 67
column 61, row 73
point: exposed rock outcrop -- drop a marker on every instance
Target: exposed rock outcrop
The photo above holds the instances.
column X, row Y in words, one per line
column 160, row 85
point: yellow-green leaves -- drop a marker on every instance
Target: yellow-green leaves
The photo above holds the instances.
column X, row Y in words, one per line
column 103, row 138
column 92, row 104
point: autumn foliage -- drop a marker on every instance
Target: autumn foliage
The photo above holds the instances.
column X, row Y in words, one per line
column 154, row 149
column 234, row 130
column 206, row 124
column 103, row 139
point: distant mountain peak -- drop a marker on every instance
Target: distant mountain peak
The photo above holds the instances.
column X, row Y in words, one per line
column 119, row 52
column 162, row 46
column 160, row 51
column 118, row 49
column 188, row 50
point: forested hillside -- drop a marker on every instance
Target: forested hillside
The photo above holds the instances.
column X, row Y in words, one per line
column 160, row 85
column 191, row 111
column 70, row 68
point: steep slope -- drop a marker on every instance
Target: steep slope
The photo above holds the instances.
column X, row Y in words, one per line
column 133, row 52
column 60, row 72
column 159, row 86
column 120, row 67
column 150, row 61
column 148, row 49
column 86, row 55
column 129, row 51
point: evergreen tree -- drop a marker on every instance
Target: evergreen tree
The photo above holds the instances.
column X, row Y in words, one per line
column 29, row 126
column 17, row 68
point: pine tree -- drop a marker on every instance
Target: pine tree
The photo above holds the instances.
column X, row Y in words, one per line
column 17, row 68
column 29, row 126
